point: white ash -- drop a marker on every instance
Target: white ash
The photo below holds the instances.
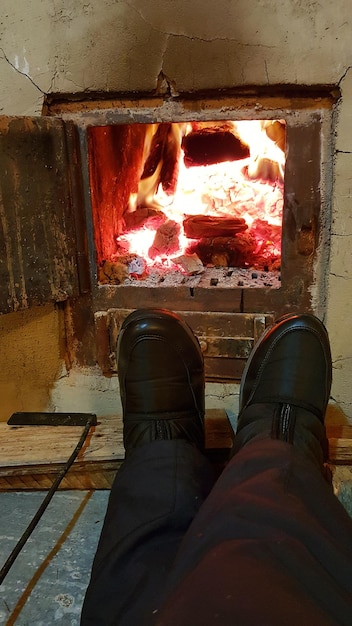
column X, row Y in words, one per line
column 224, row 277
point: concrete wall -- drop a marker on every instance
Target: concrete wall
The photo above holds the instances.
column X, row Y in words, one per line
column 74, row 45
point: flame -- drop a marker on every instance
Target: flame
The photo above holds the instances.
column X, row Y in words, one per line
column 250, row 188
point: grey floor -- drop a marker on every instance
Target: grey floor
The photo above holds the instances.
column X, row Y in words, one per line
column 47, row 582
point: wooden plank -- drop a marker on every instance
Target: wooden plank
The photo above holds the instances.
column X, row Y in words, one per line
column 85, row 479
column 218, row 431
column 37, row 237
column 32, row 456
column 48, row 445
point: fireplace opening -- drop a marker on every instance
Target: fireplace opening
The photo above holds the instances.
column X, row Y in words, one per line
column 202, row 200
column 135, row 164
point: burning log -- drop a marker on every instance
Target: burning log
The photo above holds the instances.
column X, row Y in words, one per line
column 212, row 145
column 225, row 251
column 166, row 240
column 200, row 226
column 164, row 152
column 258, row 247
column 155, row 154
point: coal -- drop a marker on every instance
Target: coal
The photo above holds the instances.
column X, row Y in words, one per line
column 166, row 240
column 191, row 263
column 144, row 216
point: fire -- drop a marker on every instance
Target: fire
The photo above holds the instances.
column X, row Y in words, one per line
column 248, row 187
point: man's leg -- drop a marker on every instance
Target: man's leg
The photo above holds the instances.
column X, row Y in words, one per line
column 165, row 477
column 271, row 545
column 155, row 496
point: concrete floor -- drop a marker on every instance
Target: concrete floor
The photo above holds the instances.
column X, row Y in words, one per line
column 47, row 582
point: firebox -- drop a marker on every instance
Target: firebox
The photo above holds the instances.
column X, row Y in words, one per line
column 193, row 202
column 213, row 205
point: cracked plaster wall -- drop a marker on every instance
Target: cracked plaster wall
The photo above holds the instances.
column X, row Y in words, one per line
column 76, row 45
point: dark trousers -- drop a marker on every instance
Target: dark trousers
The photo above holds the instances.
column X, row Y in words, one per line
column 267, row 544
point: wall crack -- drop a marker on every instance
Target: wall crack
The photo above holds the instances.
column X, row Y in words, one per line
column 22, row 73
column 341, row 360
column 344, row 75
column 197, row 38
column 340, row 276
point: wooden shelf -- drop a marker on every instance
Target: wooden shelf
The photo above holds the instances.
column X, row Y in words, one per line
column 32, row 456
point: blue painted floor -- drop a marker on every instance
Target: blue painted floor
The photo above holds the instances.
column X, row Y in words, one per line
column 47, row 582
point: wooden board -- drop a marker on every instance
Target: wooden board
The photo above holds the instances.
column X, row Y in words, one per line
column 40, row 254
column 32, row 456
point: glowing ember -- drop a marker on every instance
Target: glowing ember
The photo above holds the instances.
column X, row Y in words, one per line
column 249, row 188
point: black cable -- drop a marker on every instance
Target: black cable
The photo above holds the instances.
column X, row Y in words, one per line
column 31, row 526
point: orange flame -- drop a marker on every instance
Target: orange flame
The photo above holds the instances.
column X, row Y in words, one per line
column 250, row 188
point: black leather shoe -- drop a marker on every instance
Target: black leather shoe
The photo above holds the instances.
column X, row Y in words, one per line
column 161, row 375
column 286, row 384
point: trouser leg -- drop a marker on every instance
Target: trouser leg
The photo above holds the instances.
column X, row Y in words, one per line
column 271, row 545
column 154, row 498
